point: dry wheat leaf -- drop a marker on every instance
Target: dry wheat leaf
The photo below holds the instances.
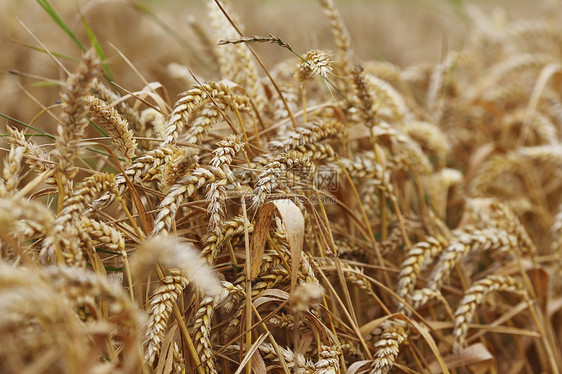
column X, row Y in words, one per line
column 356, row 366
column 294, row 225
column 371, row 325
column 540, row 279
column 479, row 156
column 474, row 354
column 248, row 356
column 269, row 296
column 261, row 229
column 258, row 365
column 554, row 306
column 305, row 340
column 429, row 340
column 165, row 362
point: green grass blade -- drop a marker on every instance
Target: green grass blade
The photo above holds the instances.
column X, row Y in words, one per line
column 100, row 130
column 26, row 125
column 45, row 84
column 55, row 16
column 95, row 43
column 56, row 54
column 28, row 135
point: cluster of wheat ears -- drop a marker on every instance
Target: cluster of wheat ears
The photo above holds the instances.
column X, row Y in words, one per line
column 322, row 215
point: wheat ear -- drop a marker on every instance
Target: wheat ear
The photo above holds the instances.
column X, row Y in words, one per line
column 73, row 124
column 146, row 166
column 216, row 196
column 388, row 346
column 181, row 191
column 11, row 174
column 556, row 248
column 329, row 360
column 220, row 92
column 182, row 161
column 286, row 166
column 313, row 63
column 412, row 265
column 474, row 297
column 308, row 135
column 340, row 33
column 36, row 157
column 159, row 312
column 116, row 127
column 212, row 242
column 468, row 241
column 65, row 236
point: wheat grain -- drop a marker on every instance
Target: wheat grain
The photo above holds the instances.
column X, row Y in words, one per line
column 101, row 232
column 328, row 362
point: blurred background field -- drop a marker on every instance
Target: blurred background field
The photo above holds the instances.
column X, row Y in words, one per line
column 403, row 32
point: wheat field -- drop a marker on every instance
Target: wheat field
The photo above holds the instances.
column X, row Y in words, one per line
column 266, row 187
